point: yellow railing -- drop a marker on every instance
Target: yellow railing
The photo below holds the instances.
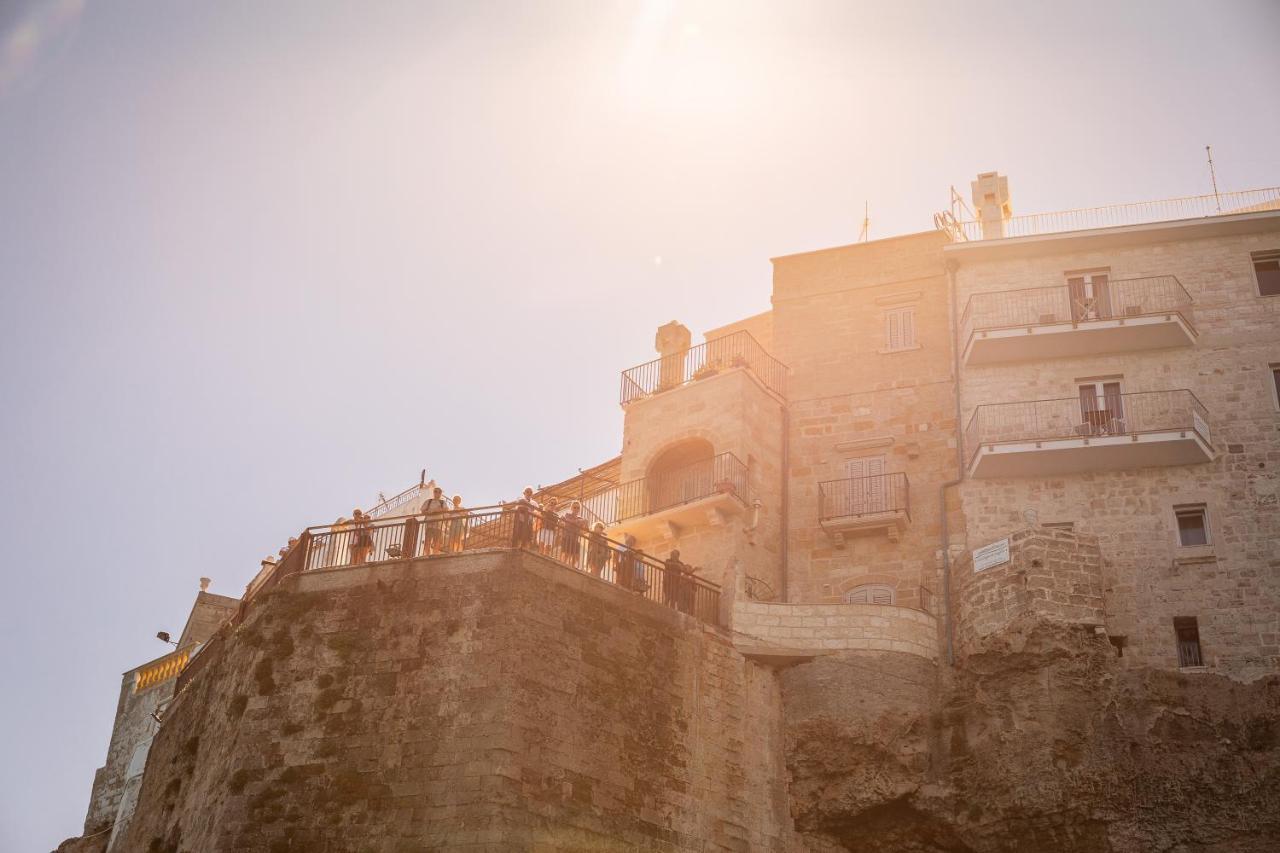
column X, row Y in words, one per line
column 162, row 669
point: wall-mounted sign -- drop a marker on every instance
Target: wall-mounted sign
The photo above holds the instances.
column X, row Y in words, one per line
column 995, row 554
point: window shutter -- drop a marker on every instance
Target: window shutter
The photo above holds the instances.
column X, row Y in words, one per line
column 870, row 593
column 895, row 330
column 909, row 328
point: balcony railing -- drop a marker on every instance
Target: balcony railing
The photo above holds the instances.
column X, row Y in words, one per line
column 1042, row 306
column 1089, row 417
column 739, row 349
column 1117, row 215
column 506, row 527
column 858, row 497
column 163, row 669
column 721, row 474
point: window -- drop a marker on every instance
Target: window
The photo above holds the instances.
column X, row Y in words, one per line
column 1090, row 295
column 1068, row 526
column 1188, row 634
column 1266, row 269
column 864, row 490
column 1193, row 525
column 1275, row 384
column 870, row 593
column 901, row 328
column 1101, row 407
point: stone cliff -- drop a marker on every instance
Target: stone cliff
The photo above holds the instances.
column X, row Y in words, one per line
column 1041, row 742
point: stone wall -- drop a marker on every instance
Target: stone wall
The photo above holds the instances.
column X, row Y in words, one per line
column 478, row 702
column 1051, row 574
column 1232, row 586
column 734, row 413
column 825, row 628
column 853, row 398
column 133, row 726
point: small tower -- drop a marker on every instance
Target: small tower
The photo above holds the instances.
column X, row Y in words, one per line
column 991, row 200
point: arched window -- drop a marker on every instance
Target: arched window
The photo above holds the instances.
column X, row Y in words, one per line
column 870, row 593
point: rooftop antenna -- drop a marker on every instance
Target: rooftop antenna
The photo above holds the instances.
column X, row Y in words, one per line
column 866, row 223
column 1208, row 150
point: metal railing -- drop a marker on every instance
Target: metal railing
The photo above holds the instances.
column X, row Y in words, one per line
column 1073, row 417
column 860, row 496
column 510, row 526
column 721, row 474
column 739, row 349
column 1042, row 306
column 1117, row 215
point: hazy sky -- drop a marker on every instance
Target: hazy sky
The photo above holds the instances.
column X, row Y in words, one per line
column 262, row 260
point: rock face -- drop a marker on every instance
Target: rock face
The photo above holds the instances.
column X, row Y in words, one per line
column 499, row 702
column 480, row 702
column 1042, row 742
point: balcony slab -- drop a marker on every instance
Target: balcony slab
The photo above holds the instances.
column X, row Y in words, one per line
column 716, row 510
column 892, row 522
column 1050, row 457
column 1087, row 337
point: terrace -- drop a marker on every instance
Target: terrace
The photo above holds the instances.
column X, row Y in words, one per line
column 737, row 351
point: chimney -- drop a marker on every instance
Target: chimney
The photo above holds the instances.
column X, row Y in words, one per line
column 991, row 201
column 672, row 343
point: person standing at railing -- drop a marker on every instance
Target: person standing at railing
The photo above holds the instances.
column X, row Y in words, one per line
column 573, row 526
column 522, row 522
column 457, row 525
column 434, row 510
column 628, row 571
column 548, row 527
column 361, row 537
column 677, row 584
column 598, row 551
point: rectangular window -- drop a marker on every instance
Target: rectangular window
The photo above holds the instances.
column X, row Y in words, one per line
column 1068, row 526
column 1101, row 407
column 1266, row 269
column 1187, row 631
column 1090, row 295
column 1275, row 385
column 865, row 490
column 1193, row 525
column 902, row 328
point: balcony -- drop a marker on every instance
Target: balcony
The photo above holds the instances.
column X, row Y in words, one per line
column 1073, row 435
column 864, row 505
column 738, row 351
column 710, row 491
column 1123, row 315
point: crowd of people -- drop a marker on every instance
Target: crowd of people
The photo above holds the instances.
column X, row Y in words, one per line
column 444, row 526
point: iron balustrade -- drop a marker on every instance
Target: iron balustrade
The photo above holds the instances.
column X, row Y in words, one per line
column 1042, row 306
column 860, row 496
column 1077, row 417
column 721, row 474
column 738, row 349
column 1118, row 215
column 518, row 526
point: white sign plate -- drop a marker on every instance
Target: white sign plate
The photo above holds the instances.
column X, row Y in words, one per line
column 994, row 554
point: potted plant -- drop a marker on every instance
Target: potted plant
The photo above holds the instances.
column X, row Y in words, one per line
column 726, row 487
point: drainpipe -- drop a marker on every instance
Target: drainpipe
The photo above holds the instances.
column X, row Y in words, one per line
column 942, row 491
column 785, row 515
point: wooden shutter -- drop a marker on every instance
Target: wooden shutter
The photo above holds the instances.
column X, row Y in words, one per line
column 870, row 593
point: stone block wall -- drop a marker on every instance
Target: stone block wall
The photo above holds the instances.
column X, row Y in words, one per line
column 734, row 413
column 853, row 398
column 1231, row 586
column 1051, row 574
column 479, row 702
column 826, row 628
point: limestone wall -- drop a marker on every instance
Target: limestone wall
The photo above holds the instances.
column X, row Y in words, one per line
column 853, row 398
column 478, row 702
column 1051, row 574
column 825, row 628
column 1232, row 586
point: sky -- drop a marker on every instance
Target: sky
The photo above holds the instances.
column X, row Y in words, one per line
column 260, row 261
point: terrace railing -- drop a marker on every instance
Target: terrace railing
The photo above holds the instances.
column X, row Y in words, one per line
column 510, row 526
column 724, row 473
column 1117, row 215
column 1076, row 417
column 1040, row 306
column 739, row 349
column 855, row 497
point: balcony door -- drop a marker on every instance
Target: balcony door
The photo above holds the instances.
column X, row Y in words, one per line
column 1101, row 408
column 866, row 488
column 1090, row 295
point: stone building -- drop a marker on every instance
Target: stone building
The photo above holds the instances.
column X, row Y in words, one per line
column 969, row 510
